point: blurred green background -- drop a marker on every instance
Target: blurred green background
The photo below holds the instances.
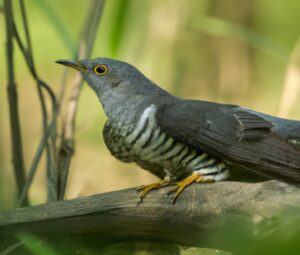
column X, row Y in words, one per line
column 235, row 51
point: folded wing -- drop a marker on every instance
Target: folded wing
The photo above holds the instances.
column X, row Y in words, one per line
column 256, row 141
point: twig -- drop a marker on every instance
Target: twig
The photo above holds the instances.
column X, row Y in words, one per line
column 86, row 42
column 17, row 148
column 11, row 248
column 50, row 146
column 35, row 162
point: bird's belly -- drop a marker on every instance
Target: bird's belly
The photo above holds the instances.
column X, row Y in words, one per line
column 176, row 159
column 165, row 157
column 147, row 145
column 116, row 143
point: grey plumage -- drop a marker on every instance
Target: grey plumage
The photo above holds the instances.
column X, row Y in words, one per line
column 256, row 141
column 173, row 137
column 151, row 148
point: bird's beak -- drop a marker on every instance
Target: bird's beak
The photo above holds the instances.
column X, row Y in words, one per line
column 73, row 64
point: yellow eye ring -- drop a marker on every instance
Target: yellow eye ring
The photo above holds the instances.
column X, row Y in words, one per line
column 100, row 69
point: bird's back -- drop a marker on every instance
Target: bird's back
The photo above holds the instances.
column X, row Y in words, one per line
column 265, row 144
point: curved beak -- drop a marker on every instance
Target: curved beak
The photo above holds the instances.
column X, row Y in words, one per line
column 73, row 64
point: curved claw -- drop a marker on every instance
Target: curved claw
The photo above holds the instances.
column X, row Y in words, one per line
column 180, row 186
column 145, row 189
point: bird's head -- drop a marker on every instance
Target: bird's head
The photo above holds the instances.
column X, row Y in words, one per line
column 112, row 77
column 115, row 82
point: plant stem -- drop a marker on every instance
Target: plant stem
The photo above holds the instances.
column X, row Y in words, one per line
column 35, row 162
column 50, row 145
column 86, row 41
column 17, row 151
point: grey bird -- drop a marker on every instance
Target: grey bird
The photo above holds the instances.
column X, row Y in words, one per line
column 187, row 141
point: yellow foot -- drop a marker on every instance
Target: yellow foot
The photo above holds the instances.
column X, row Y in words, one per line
column 180, row 186
column 145, row 189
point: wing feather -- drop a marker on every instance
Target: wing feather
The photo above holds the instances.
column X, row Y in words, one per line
column 235, row 134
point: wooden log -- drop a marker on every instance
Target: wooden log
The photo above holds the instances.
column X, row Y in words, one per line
column 200, row 217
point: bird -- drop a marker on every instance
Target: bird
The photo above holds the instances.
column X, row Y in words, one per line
column 185, row 141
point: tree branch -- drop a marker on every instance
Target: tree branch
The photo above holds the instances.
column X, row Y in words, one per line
column 199, row 217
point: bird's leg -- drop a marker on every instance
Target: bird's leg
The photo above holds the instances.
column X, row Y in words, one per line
column 195, row 177
column 145, row 189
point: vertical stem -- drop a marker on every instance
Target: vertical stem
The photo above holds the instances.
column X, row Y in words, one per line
column 17, row 151
column 50, row 145
column 86, row 41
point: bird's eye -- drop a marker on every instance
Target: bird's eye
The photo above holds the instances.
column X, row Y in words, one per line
column 100, row 70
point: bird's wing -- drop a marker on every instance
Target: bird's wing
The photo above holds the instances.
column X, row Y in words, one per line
column 236, row 134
